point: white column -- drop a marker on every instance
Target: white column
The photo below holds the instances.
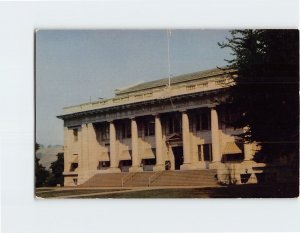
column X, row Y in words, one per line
column 66, row 150
column 187, row 156
column 185, row 138
column 92, row 147
column 158, row 142
column 84, row 147
column 114, row 162
column 215, row 135
column 83, row 160
column 134, row 147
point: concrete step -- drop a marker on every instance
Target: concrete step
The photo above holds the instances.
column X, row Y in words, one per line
column 163, row 178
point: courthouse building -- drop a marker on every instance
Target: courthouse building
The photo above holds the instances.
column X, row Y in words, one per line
column 157, row 126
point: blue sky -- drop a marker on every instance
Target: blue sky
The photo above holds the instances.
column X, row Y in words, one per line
column 73, row 66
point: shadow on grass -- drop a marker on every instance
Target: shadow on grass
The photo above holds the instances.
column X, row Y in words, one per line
column 237, row 191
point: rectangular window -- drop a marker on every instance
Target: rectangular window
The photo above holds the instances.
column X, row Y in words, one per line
column 222, row 121
column 75, row 134
column 174, row 125
column 207, row 152
column 126, row 163
column 231, row 118
column 149, row 128
column 104, row 164
column 105, row 132
column 200, row 152
column 149, row 161
column 205, row 124
column 140, row 131
column 126, row 130
column 202, row 121
column 197, row 120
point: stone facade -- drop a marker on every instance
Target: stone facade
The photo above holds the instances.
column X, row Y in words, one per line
column 155, row 127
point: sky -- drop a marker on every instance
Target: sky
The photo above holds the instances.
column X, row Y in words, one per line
column 76, row 66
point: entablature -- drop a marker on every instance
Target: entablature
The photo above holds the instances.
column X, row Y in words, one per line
column 157, row 106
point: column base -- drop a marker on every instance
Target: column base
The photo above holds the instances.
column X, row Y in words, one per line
column 187, row 166
column 250, row 163
column 158, row 167
column 216, row 165
column 200, row 165
column 136, row 169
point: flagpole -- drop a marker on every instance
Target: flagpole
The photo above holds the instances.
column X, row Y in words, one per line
column 169, row 65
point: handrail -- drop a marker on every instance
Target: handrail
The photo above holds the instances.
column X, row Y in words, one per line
column 127, row 177
column 155, row 175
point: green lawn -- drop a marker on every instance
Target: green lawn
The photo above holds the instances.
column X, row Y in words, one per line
column 61, row 193
column 237, row 191
column 44, row 189
column 240, row 191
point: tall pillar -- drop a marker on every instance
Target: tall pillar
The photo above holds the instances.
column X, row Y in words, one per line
column 114, row 162
column 93, row 162
column 67, row 138
column 134, row 147
column 83, row 160
column 248, row 153
column 215, row 135
column 187, row 159
column 159, row 145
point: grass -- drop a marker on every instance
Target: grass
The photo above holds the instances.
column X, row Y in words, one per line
column 235, row 191
column 239, row 191
column 44, row 189
column 62, row 193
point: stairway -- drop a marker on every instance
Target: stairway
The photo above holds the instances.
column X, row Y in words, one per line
column 186, row 178
column 164, row 178
column 105, row 180
column 140, row 179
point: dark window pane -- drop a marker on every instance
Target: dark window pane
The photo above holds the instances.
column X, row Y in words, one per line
column 207, row 152
column 204, row 121
column 151, row 127
column 197, row 119
column 199, row 153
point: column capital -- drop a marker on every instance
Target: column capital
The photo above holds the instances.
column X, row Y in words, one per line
column 212, row 106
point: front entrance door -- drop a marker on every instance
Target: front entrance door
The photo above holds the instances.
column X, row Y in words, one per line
column 178, row 156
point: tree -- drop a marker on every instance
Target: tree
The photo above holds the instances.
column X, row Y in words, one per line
column 266, row 88
column 41, row 174
column 57, row 168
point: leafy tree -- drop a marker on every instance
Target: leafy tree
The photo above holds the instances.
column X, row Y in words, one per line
column 41, row 174
column 266, row 88
column 37, row 146
column 57, row 168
